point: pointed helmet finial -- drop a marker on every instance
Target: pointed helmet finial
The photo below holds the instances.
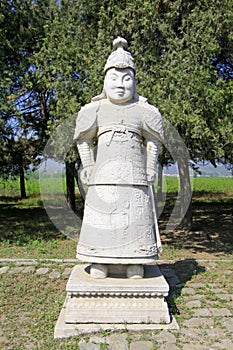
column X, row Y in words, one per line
column 120, row 58
column 120, row 42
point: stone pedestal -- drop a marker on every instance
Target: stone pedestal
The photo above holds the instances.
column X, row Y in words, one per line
column 94, row 304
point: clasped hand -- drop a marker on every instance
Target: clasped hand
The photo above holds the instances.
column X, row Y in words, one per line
column 85, row 174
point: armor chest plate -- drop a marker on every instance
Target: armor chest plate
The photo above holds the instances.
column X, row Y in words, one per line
column 120, row 155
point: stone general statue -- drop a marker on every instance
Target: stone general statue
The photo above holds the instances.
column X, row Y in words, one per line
column 119, row 228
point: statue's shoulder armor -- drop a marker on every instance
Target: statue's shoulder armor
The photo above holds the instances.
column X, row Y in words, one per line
column 152, row 119
column 86, row 120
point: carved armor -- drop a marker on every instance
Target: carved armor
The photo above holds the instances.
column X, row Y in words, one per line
column 118, row 225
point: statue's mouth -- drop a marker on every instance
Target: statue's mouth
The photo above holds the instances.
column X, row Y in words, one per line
column 120, row 91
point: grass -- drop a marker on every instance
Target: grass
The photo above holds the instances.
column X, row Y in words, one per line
column 30, row 306
column 213, row 184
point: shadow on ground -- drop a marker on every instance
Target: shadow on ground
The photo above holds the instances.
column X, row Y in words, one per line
column 211, row 231
column 177, row 275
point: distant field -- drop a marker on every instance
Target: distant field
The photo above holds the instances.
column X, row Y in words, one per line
column 170, row 184
column 201, row 184
column 34, row 185
column 213, row 184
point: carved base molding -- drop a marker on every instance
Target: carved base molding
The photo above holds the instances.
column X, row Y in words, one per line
column 114, row 303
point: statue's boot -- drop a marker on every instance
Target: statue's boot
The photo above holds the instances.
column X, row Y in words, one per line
column 135, row 271
column 99, row 270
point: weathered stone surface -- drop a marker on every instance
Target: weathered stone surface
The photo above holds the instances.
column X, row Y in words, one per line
column 97, row 339
column 195, row 346
column 216, row 290
column 3, row 340
column 116, row 309
column 226, row 344
column 188, row 291
column 4, row 269
column 198, row 296
column 117, row 342
column 228, row 323
column 88, row 346
column 193, row 304
column 170, row 346
column 196, row 285
column 216, row 332
column 226, row 297
column 65, row 330
column 42, row 271
column 202, row 313
column 29, row 269
column 117, row 300
column 67, row 271
column 54, row 274
column 16, row 270
column 166, row 336
column 198, row 322
column 220, row 312
column 152, row 284
column 141, row 345
column 188, row 333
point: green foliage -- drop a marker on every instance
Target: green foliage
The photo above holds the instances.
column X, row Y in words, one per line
column 54, row 55
column 172, row 42
column 23, row 101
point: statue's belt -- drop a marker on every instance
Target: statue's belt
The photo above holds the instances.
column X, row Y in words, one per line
column 120, row 129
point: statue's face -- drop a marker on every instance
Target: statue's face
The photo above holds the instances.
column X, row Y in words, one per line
column 119, row 85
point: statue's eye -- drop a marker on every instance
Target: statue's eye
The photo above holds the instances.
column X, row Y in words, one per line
column 113, row 78
column 127, row 78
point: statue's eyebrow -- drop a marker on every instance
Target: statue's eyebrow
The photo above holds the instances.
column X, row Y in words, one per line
column 116, row 74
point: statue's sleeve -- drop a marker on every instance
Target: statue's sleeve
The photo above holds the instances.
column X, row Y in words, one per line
column 152, row 123
column 85, row 132
column 153, row 137
column 86, row 123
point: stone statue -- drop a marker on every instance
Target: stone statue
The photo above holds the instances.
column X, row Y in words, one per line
column 119, row 224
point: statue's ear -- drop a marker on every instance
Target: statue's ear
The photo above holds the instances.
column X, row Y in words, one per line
column 99, row 97
column 140, row 98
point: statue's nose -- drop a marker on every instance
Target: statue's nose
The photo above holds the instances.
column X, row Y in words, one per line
column 120, row 83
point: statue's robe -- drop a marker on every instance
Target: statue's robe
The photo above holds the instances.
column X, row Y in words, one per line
column 118, row 223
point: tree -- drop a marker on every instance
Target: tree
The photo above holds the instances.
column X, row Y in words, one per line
column 23, row 102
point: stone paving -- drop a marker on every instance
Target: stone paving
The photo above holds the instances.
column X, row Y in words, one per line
column 203, row 309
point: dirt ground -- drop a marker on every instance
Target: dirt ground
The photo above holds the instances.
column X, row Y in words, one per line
column 211, row 235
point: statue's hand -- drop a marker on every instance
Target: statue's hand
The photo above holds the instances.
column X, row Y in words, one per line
column 151, row 175
column 85, row 174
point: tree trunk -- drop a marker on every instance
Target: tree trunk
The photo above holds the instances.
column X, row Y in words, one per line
column 70, row 184
column 22, row 183
column 185, row 194
column 160, row 183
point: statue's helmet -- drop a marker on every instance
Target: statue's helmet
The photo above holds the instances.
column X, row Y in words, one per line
column 120, row 58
